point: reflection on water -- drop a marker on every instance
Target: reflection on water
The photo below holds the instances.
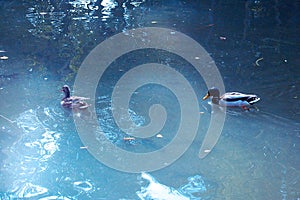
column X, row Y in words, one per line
column 195, row 189
column 30, row 154
column 84, row 10
column 46, row 21
column 28, row 191
column 85, row 4
column 157, row 191
column 109, row 125
column 129, row 12
column 108, row 5
column 50, row 20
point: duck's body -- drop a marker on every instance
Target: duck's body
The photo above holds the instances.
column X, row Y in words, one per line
column 231, row 99
column 73, row 102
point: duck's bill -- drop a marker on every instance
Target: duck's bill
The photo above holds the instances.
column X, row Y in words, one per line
column 205, row 97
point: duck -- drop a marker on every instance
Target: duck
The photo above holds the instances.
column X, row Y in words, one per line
column 231, row 99
column 73, row 102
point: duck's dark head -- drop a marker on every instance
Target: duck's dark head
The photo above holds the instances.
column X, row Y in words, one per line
column 212, row 92
column 66, row 91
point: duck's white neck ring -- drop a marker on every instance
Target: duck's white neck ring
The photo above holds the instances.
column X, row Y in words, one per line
column 215, row 100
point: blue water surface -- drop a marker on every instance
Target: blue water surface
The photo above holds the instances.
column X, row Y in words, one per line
column 255, row 45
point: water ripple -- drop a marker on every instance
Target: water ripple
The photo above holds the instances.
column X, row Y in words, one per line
column 46, row 23
column 29, row 155
column 83, row 186
column 29, row 190
column 107, row 121
column 55, row 198
column 195, row 187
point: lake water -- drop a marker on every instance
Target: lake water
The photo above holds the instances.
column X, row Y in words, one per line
column 255, row 46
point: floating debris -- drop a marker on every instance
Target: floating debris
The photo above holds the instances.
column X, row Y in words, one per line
column 257, row 61
column 6, row 118
column 3, row 58
column 207, row 150
column 128, row 138
column 43, row 13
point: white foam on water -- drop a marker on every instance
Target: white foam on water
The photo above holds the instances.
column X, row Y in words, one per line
column 157, row 191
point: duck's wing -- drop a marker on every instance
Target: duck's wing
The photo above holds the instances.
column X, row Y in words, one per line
column 237, row 96
column 234, row 96
column 76, row 98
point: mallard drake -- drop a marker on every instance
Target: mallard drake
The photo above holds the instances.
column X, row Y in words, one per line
column 231, row 99
column 72, row 102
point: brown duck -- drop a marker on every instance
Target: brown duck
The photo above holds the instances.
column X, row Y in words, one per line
column 73, row 102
